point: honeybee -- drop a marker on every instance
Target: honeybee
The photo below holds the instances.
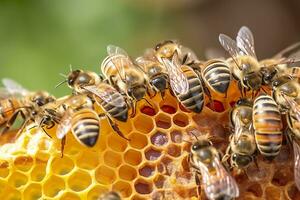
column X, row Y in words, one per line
column 268, row 126
column 106, row 96
column 216, row 181
column 124, row 75
column 110, row 196
column 242, row 142
column 16, row 100
column 243, row 63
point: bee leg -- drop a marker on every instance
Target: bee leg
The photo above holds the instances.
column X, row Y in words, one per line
column 151, row 90
column 133, row 107
column 206, row 91
column 24, row 124
column 240, row 88
column 10, row 122
column 198, row 183
column 148, row 102
column 114, row 126
column 63, row 143
column 162, row 94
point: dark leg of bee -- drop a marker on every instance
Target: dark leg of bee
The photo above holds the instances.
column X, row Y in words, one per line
column 24, row 124
column 227, row 155
column 148, row 102
column 151, row 90
column 133, row 107
column 162, row 94
column 241, row 88
column 114, row 126
column 10, row 122
column 206, row 91
column 63, row 142
column 245, row 91
column 198, row 183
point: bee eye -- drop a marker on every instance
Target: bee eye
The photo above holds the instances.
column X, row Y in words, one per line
column 196, row 147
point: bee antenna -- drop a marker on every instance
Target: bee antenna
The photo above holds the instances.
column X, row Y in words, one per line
column 71, row 68
column 59, row 84
column 194, row 135
column 63, row 75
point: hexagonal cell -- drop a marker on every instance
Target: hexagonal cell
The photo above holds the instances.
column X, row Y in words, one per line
column 152, row 154
column 23, row 163
column 159, row 181
column 282, row 176
column 33, row 191
column 182, row 108
column 117, row 143
column 181, row 119
column 105, row 175
column 159, row 138
column 272, row 193
column 62, row 166
column 143, row 186
column 143, row 124
column 185, row 164
column 147, row 110
column 174, row 150
column 11, row 194
column 168, row 105
column 256, row 189
column 133, row 157
column 127, row 172
column 176, row 136
column 216, row 106
column 88, row 160
column 137, row 140
column 17, row 179
column 79, row 180
column 53, row 186
column 38, row 172
column 292, row 192
column 122, row 187
column 147, row 170
column 163, row 121
column 168, row 165
column 4, row 169
column 69, row 196
column 95, row 192
column 112, row 159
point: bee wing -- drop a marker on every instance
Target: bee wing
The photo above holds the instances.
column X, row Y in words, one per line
column 295, row 107
column 245, row 41
column 238, row 130
column 178, row 80
column 292, row 51
column 143, row 63
column 13, row 87
column 4, row 94
column 149, row 54
column 65, row 125
column 107, row 93
column 230, row 46
column 296, row 164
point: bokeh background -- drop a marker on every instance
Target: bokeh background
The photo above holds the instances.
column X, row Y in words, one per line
column 40, row 39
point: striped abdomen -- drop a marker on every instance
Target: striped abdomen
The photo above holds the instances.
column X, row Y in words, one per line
column 193, row 100
column 217, row 75
column 86, row 127
column 8, row 108
column 119, row 113
column 267, row 125
column 110, row 64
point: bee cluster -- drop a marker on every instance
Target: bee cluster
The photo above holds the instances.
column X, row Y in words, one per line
column 269, row 98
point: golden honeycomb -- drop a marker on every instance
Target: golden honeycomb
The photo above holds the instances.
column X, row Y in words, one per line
column 152, row 165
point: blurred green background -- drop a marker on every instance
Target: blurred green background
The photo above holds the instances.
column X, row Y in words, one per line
column 40, row 39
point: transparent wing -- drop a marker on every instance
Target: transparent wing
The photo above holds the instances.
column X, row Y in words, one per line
column 238, row 130
column 149, row 54
column 296, row 164
column 245, row 41
column 178, row 80
column 143, row 63
column 292, row 51
column 4, row 94
column 231, row 47
column 107, row 93
column 65, row 125
column 13, row 87
column 115, row 50
column 295, row 107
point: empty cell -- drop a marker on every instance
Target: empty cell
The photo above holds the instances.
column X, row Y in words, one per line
column 143, row 187
column 17, row 179
column 147, row 170
column 11, row 193
column 88, row 160
column 70, row 196
column 159, row 181
column 137, row 140
column 185, row 164
column 33, row 191
column 62, row 166
column 4, row 169
column 255, row 189
column 95, row 192
column 127, row 172
column 112, row 159
column 143, row 124
column 123, row 187
column 168, row 105
column 105, row 175
column 133, row 157
column 282, row 176
column 117, row 143
column 79, row 180
column 23, row 163
column 174, row 150
column 181, row 120
column 163, row 121
column 293, row 192
column 169, row 166
column 38, row 172
column 176, row 136
column 159, row 138
column 53, row 186
column 152, row 154
column 147, row 110
column 272, row 193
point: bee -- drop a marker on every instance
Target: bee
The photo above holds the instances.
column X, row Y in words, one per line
column 216, row 181
column 105, row 95
column 243, row 63
column 268, row 126
column 158, row 77
column 124, row 75
column 110, row 196
column 242, row 142
column 15, row 100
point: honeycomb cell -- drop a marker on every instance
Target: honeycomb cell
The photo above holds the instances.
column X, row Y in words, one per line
column 138, row 197
column 112, row 159
column 152, row 154
column 182, row 108
column 281, row 177
column 159, row 138
column 143, row 124
column 181, row 119
column 143, row 187
column 147, row 110
column 133, row 157
column 174, row 150
column 272, row 193
column 105, row 175
column 33, row 191
column 62, row 166
column 12, row 194
column 53, row 186
column 127, row 173
column 216, row 106
column 70, row 196
column 168, row 109
column 17, row 179
column 79, row 180
column 117, row 143
column 137, row 140
column 168, row 164
column 38, row 172
column 176, row 136
column 88, row 160
column 159, row 181
column 4, row 169
column 123, row 187
column 95, row 192
column 255, row 189
column 292, row 192
column 23, row 163
column 168, row 105
column 147, row 170
column 163, row 121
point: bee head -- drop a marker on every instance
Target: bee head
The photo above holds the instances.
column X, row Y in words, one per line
column 244, row 102
column 166, row 49
column 253, row 80
column 280, row 81
column 137, row 92
column 268, row 74
column 41, row 98
column 240, row 161
column 72, row 77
